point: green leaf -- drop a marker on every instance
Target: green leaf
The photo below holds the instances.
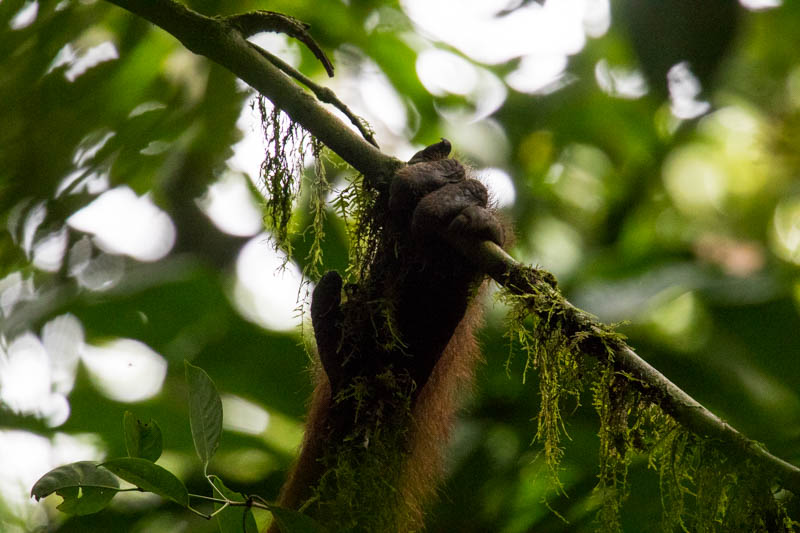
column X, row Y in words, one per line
column 294, row 522
column 84, row 500
column 233, row 519
column 85, row 488
column 142, row 439
column 150, row 477
column 205, row 412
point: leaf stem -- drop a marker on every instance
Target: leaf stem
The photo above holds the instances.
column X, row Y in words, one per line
column 199, row 513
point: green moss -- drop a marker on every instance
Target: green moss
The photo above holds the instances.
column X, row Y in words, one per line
column 357, row 204
column 612, row 399
column 360, row 488
column 281, row 170
column 536, row 330
column 320, row 188
column 703, row 488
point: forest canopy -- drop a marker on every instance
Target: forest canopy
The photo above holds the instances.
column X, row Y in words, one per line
column 646, row 156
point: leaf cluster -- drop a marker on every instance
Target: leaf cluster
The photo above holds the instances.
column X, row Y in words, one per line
column 87, row 487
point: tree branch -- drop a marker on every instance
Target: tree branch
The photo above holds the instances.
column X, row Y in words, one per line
column 324, row 94
column 522, row 279
column 260, row 21
column 222, row 41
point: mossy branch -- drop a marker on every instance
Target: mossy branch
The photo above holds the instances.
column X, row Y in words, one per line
column 593, row 339
column 223, row 40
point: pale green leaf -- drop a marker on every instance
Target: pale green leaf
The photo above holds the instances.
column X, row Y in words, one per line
column 150, row 477
column 205, row 412
column 233, row 519
column 142, row 439
column 85, row 488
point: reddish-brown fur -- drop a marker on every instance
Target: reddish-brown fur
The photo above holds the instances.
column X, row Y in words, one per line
column 436, row 410
column 434, row 416
column 429, row 292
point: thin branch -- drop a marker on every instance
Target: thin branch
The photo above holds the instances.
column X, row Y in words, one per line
column 269, row 21
column 220, row 41
column 324, row 94
column 199, row 513
column 594, row 341
column 222, row 508
column 208, row 498
column 253, row 501
column 261, row 21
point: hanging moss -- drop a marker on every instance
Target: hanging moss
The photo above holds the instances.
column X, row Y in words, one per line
column 703, row 488
column 282, row 168
column 612, row 400
column 537, row 331
column 282, row 172
column 357, row 205
column 319, row 190
column 358, row 491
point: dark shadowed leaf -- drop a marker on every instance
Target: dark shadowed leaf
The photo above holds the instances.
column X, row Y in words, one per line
column 149, row 477
column 233, row 519
column 85, row 488
column 142, row 439
column 205, row 412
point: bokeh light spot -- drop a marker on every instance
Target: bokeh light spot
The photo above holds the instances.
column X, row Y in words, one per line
column 125, row 370
column 267, row 287
column 123, row 223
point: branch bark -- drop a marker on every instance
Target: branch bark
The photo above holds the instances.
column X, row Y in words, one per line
column 221, row 40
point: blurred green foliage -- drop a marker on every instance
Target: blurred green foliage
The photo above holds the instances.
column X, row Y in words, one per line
column 687, row 229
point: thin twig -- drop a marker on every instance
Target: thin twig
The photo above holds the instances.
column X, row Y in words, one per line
column 212, row 37
column 208, row 498
column 199, row 513
column 324, row 94
column 270, row 21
